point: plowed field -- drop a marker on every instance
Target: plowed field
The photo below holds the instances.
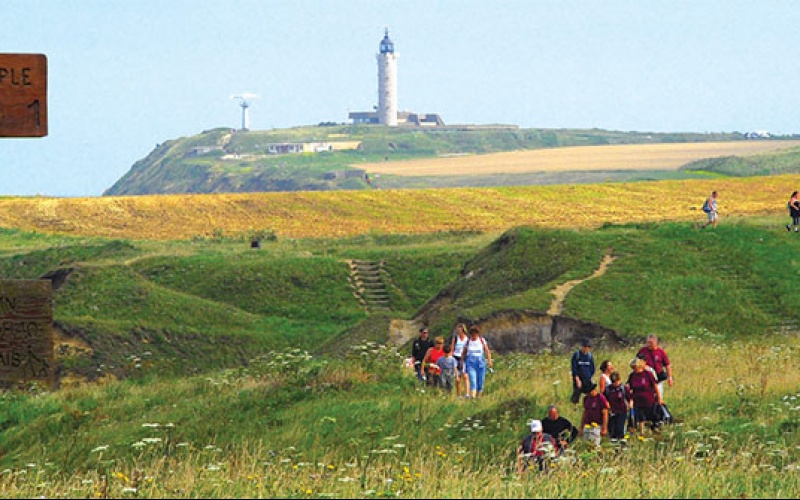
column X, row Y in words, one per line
column 616, row 157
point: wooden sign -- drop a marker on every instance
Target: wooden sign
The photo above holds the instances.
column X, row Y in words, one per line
column 26, row 330
column 23, row 95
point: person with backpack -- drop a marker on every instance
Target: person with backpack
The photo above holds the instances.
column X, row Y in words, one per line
column 617, row 395
column 476, row 356
column 582, row 369
column 794, row 212
column 710, row 208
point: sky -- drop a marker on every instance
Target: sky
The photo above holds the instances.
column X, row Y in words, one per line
column 126, row 75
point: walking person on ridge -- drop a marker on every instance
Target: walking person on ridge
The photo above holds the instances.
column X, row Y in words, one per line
column 710, row 208
column 794, row 212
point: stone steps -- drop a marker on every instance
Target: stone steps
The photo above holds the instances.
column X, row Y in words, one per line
column 368, row 281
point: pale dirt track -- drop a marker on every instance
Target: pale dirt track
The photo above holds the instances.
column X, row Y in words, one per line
column 616, row 157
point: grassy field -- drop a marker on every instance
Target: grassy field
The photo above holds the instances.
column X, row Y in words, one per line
column 607, row 157
column 227, row 372
column 348, row 213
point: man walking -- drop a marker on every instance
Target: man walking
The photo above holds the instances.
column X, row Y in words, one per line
column 418, row 350
column 582, row 369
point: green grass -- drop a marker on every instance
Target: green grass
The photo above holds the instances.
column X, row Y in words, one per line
column 254, row 373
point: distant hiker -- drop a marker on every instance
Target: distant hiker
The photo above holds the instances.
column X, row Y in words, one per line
column 418, row 350
column 582, row 370
column 432, row 371
column 794, row 212
column 710, row 208
column 559, row 427
column 457, row 347
column 594, row 421
column 476, row 356
column 447, row 370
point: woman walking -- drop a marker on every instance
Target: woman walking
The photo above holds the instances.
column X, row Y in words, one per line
column 476, row 355
column 457, row 348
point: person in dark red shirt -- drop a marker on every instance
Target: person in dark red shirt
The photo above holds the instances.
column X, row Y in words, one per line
column 595, row 415
column 644, row 393
column 657, row 359
column 617, row 395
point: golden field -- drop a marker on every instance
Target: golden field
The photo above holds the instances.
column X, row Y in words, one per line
column 615, row 157
column 346, row 213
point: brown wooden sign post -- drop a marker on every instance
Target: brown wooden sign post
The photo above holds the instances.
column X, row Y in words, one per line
column 26, row 331
column 23, row 95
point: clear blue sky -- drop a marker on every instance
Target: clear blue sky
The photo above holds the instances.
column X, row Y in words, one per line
column 124, row 75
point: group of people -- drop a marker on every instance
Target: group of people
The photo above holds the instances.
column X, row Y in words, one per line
column 461, row 361
column 610, row 407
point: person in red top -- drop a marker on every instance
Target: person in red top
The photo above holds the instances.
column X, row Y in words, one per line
column 594, row 421
column 644, row 394
column 429, row 361
column 657, row 359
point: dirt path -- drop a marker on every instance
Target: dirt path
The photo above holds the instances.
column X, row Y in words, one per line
column 401, row 331
column 560, row 292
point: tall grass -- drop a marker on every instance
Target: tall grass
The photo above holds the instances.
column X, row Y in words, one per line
column 297, row 426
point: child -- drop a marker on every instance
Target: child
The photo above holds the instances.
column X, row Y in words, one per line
column 617, row 397
column 447, row 366
column 595, row 415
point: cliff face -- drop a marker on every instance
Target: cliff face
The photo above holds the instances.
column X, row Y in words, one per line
column 534, row 332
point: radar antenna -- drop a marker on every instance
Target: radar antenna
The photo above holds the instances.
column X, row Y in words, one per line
column 243, row 102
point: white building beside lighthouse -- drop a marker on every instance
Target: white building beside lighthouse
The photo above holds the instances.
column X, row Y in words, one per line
column 386, row 112
column 387, row 82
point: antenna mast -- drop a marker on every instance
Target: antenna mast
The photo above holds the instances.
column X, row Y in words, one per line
column 243, row 102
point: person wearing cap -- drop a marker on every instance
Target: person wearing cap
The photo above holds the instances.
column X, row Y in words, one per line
column 535, row 448
column 582, row 369
column 418, row 350
column 594, row 421
column 559, row 427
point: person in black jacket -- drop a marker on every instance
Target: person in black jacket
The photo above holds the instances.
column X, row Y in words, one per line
column 582, row 369
column 559, row 427
column 418, row 350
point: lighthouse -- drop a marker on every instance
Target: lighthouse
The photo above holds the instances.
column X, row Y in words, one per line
column 387, row 82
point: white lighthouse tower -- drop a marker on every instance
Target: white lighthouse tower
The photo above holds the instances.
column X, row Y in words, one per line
column 387, row 82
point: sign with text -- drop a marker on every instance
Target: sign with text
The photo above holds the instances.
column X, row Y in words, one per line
column 23, row 95
column 26, row 330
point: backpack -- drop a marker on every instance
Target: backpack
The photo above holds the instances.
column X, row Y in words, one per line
column 661, row 414
column 707, row 206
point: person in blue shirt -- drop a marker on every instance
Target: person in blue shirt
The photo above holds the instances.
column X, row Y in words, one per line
column 582, row 369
